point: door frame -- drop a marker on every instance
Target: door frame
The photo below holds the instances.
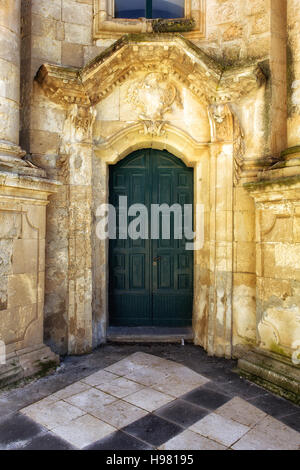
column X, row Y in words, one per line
column 213, row 164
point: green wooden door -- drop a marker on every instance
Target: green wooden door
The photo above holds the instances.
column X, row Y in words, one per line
column 151, row 280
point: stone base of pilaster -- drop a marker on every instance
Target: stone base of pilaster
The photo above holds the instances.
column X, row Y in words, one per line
column 35, row 361
column 287, row 167
column 12, row 160
column 273, row 372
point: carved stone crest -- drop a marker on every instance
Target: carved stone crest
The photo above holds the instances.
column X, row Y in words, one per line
column 79, row 124
column 78, row 127
column 78, row 130
column 221, row 120
column 153, row 96
column 225, row 126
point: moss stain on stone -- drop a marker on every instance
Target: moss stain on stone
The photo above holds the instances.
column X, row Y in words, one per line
column 291, row 151
column 166, row 26
column 45, row 368
column 285, row 182
column 278, row 350
column 293, row 397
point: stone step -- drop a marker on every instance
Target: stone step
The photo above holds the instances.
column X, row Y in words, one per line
column 273, row 372
column 149, row 334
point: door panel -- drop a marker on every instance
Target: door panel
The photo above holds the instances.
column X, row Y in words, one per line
column 151, row 281
column 130, row 305
column 172, row 282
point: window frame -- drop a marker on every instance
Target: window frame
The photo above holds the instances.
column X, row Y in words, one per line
column 149, row 10
column 107, row 26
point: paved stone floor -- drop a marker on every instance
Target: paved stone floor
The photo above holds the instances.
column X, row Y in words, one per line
column 131, row 397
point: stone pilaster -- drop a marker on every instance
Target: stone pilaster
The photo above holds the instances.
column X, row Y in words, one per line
column 10, row 152
column 76, row 152
column 10, row 78
column 293, row 74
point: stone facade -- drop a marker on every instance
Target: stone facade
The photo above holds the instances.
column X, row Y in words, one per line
column 24, row 191
column 233, row 117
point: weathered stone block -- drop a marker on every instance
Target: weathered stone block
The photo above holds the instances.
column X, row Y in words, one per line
column 78, row 13
column 45, row 27
column 78, row 34
column 244, row 308
column 46, row 48
column 72, row 54
column 44, row 142
column 47, row 9
column 25, row 256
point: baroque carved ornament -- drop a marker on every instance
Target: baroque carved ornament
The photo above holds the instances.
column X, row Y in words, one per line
column 166, row 63
column 225, row 126
column 183, row 61
column 77, row 132
column 153, row 96
column 79, row 124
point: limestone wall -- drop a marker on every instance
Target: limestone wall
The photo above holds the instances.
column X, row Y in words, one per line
column 57, row 32
column 237, row 30
column 24, row 192
column 61, row 32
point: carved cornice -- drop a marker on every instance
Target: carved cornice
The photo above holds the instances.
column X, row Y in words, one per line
column 172, row 54
column 62, row 85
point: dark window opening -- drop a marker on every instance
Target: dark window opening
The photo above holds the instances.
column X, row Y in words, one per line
column 149, row 9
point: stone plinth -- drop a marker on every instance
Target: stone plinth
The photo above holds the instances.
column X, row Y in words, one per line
column 275, row 363
column 272, row 371
column 23, row 201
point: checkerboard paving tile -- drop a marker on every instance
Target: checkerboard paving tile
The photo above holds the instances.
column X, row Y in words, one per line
column 219, row 429
column 153, row 430
column 241, row 411
column 120, row 414
column 119, row 440
column 83, row 431
column 269, row 434
column 148, row 399
column 147, row 402
column 120, row 387
column 100, row 378
column 48, row 441
column 177, row 385
column 181, row 412
column 53, row 414
column 189, row 440
column 91, row 400
column 73, row 389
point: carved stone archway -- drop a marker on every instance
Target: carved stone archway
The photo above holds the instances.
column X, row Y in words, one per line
column 180, row 144
column 166, row 64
